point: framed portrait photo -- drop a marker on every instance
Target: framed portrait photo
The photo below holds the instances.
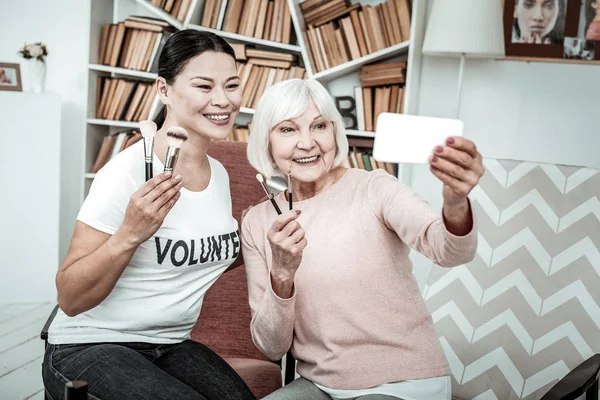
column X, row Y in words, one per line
column 10, row 77
column 552, row 30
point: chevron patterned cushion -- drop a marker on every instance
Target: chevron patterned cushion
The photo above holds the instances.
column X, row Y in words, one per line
column 526, row 311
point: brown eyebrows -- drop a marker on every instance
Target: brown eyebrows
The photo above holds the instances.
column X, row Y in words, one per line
column 212, row 80
column 289, row 121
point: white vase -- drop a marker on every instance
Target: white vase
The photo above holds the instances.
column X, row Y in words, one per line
column 37, row 74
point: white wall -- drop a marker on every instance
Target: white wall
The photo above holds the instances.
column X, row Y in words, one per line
column 30, row 217
column 541, row 112
column 63, row 25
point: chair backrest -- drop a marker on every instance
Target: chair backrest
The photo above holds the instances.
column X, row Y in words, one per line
column 224, row 322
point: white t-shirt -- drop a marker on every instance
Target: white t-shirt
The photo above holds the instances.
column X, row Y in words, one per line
column 158, row 297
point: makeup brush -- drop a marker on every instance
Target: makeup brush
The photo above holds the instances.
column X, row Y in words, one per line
column 175, row 137
column 261, row 179
column 289, row 183
column 76, row 390
column 148, row 129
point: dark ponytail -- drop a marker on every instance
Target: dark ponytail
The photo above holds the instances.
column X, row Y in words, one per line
column 181, row 47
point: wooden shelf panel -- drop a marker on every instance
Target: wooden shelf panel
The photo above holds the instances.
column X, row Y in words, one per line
column 249, row 40
column 549, row 60
column 161, row 14
column 355, row 65
column 367, row 134
column 123, row 71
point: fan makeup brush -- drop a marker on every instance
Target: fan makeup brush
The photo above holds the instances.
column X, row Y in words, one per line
column 176, row 136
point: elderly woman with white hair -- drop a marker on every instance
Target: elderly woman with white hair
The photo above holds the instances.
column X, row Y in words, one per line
column 332, row 278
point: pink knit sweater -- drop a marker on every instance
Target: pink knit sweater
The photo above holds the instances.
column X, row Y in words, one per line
column 356, row 318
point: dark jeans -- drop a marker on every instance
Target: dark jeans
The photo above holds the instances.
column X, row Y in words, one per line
column 120, row 371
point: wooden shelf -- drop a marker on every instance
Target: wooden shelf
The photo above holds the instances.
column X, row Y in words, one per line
column 161, row 14
column 107, row 122
column 249, row 40
column 123, row 71
column 367, row 134
column 549, row 60
column 354, row 65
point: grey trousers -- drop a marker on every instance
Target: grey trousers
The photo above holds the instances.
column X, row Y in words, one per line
column 303, row 389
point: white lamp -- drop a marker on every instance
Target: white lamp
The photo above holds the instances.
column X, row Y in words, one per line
column 465, row 28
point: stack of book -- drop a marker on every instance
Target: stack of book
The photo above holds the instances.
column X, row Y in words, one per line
column 263, row 19
column 260, row 69
column 178, row 9
column 112, row 145
column 338, row 32
column 363, row 159
column 361, row 156
column 240, row 133
column 125, row 100
column 381, row 90
column 135, row 43
column 210, row 13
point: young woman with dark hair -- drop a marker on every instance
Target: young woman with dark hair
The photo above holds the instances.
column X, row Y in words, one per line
column 143, row 254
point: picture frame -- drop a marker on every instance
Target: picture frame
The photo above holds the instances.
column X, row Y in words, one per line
column 10, row 77
column 552, row 30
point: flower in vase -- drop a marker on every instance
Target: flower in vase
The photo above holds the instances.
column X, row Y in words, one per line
column 37, row 51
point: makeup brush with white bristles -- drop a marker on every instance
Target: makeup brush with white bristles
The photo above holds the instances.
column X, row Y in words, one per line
column 148, row 129
column 175, row 137
column 261, row 179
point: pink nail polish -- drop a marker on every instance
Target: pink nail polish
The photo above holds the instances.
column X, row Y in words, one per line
column 439, row 149
column 433, row 159
column 298, row 212
column 450, row 140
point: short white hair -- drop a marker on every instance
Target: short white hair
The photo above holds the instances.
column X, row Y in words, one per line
column 287, row 100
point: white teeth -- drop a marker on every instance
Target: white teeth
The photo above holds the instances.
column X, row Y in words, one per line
column 216, row 117
column 307, row 160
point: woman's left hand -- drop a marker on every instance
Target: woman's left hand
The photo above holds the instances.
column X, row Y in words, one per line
column 459, row 166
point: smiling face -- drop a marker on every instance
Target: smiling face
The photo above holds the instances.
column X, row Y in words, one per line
column 305, row 144
column 206, row 96
column 536, row 17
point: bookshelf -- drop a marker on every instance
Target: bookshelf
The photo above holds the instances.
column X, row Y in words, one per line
column 340, row 79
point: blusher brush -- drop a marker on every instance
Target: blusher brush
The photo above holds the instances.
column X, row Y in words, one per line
column 176, row 136
column 261, row 179
column 148, row 129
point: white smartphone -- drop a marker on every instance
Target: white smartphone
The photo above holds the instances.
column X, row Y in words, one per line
column 411, row 139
